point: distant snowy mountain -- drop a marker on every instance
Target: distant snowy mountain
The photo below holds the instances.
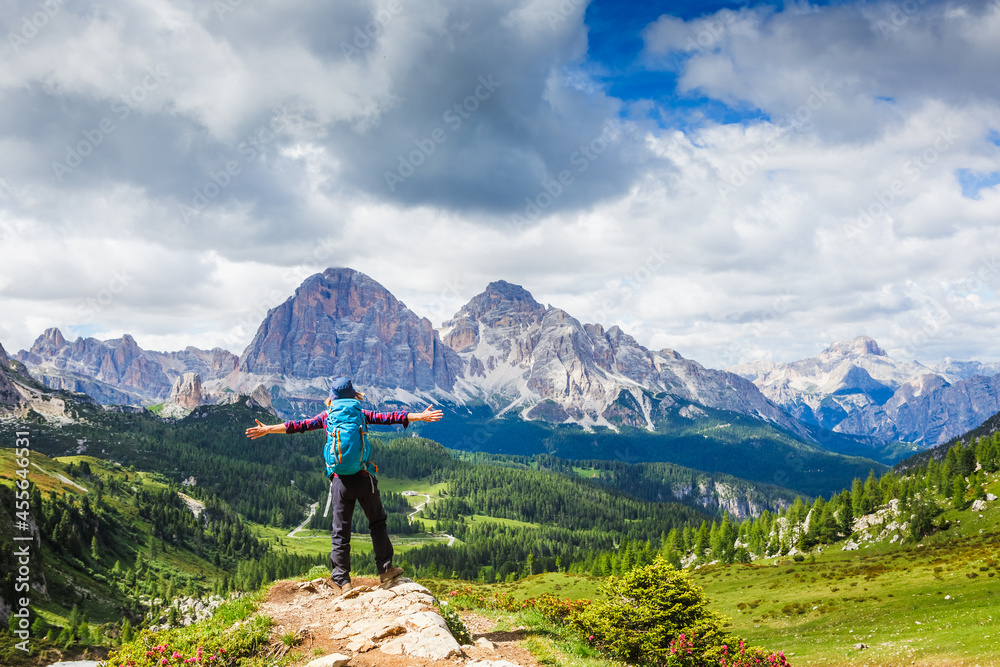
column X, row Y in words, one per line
column 855, row 387
column 543, row 364
column 964, row 370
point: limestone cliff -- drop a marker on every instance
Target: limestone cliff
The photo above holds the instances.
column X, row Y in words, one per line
column 341, row 322
column 118, row 371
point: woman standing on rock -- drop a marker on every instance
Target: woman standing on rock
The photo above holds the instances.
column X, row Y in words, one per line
column 351, row 472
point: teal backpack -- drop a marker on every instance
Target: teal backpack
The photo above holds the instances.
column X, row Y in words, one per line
column 347, row 449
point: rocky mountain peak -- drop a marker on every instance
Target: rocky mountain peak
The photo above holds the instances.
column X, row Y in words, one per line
column 341, row 322
column 49, row 343
column 856, row 347
column 346, row 293
column 503, row 303
column 4, row 359
column 186, row 391
column 502, row 306
column 128, row 345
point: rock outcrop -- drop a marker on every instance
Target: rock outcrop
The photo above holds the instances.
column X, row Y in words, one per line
column 368, row 624
column 186, row 391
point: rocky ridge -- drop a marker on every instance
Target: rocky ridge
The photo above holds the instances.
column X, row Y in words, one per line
column 506, row 350
column 118, row 371
column 543, row 363
column 21, row 394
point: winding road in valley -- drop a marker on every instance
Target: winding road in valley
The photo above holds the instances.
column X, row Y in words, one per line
column 416, row 510
column 312, row 511
column 409, row 517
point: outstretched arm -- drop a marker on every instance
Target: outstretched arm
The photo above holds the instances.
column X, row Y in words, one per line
column 261, row 429
column 428, row 415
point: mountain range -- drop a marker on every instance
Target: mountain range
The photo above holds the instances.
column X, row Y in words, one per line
column 855, row 387
column 118, row 371
column 505, row 353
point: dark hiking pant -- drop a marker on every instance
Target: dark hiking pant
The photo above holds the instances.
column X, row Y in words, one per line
column 363, row 488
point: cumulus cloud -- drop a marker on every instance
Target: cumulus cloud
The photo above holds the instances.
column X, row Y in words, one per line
column 219, row 153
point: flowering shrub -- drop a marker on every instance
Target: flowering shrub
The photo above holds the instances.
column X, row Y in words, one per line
column 142, row 653
column 653, row 615
column 746, row 656
column 685, row 650
column 646, row 612
column 455, row 624
column 233, row 634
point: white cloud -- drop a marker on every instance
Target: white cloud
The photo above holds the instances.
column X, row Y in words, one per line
column 778, row 234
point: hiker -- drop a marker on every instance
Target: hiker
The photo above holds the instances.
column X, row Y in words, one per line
column 351, row 473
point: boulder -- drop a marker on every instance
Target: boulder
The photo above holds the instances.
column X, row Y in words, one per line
column 332, row 660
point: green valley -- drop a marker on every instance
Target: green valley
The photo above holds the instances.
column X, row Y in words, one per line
column 134, row 512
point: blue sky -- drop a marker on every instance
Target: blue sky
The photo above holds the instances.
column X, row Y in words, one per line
column 615, row 55
column 812, row 171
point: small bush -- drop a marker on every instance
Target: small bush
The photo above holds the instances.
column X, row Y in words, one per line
column 654, row 615
column 455, row 624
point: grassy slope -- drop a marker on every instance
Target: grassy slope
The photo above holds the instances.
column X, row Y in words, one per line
column 100, row 604
column 909, row 604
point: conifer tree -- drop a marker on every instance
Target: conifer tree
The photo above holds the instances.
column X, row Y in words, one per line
column 958, row 492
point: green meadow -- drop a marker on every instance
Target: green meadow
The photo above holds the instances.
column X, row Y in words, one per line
column 936, row 603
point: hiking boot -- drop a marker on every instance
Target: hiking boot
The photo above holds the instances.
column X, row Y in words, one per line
column 390, row 574
column 345, row 588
